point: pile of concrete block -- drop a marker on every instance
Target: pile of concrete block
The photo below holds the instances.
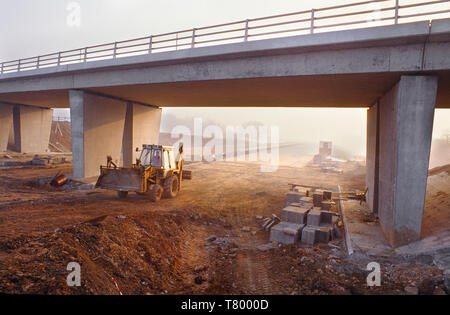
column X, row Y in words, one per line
column 306, row 218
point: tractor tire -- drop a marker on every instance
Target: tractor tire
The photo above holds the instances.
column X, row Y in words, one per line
column 171, row 187
column 156, row 193
column 122, row 194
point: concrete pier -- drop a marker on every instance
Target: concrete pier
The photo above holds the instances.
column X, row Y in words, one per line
column 372, row 155
column 397, row 175
column 25, row 129
column 142, row 125
column 6, row 114
column 103, row 126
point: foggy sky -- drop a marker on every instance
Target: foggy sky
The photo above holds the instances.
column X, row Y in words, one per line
column 33, row 27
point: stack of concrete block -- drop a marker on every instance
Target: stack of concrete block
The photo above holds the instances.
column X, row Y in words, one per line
column 320, row 227
column 293, row 220
column 305, row 218
column 296, row 213
column 293, row 196
column 286, row 233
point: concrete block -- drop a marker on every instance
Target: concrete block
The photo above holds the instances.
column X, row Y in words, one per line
column 286, row 233
column 326, row 205
column 301, row 205
column 308, row 235
column 327, row 195
column 323, row 234
column 11, row 163
column 326, row 217
column 314, row 217
column 305, row 200
column 317, row 198
column 294, row 214
column 292, row 197
column 39, row 162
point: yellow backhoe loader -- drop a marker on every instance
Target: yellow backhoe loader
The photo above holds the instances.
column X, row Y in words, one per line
column 157, row 173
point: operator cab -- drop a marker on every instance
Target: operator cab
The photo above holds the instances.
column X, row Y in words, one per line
column 157, row 156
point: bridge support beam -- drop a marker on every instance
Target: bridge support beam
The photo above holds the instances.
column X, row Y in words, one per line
column 103, row 126
column 400, row 127
column 25, row 129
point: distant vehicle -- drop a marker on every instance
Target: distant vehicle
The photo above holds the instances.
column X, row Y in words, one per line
column 157, row 173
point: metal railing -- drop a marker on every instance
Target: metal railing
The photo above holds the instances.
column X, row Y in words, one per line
column 345, row 16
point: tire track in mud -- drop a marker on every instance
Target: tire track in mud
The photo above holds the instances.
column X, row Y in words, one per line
column 257, row 280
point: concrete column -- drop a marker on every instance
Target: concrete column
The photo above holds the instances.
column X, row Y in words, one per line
column 372, row 154
column 31, row 127
column 103, row 126
column 6, row 119
column 405, row 129
column 142, row 126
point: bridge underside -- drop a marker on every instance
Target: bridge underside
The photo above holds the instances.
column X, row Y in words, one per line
column 355, row 90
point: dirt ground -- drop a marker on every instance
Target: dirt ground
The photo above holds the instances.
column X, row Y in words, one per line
column 205, row 241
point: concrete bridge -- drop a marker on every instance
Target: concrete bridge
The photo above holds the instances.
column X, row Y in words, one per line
column 401, row 72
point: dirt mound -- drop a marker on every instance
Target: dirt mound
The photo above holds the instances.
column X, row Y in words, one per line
column 320, row 271
column 141, row 253
column 439, row 169
column 436, row 215
column 60, row 137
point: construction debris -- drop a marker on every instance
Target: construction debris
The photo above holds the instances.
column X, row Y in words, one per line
column 268, row 223
column 59, row 180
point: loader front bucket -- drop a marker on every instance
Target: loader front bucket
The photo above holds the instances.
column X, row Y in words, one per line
column 120, row 179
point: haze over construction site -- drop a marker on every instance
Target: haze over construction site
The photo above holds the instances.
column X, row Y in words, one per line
column 225, row 148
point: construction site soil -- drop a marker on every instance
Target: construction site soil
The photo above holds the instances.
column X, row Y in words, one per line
column 205, row 241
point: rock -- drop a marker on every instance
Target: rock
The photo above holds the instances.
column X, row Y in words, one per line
column 198, row 280
column 245, row 229
column 211, row 238
column 121, row 217
column 253, row 233
column 411, row 290
column 259, row 217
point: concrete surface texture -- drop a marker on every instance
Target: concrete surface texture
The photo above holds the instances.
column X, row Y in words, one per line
column 6, row 114
column 345, row 68
column 30, row 128
column 141, row 127
column 406, row 123
column 372, row 149
column 103, row 126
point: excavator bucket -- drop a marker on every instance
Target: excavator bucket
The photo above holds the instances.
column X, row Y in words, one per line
column 120, row 179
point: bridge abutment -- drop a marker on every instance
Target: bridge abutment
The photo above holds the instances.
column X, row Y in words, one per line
column 103, row 126
column 399, row 135
column 25, row 129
